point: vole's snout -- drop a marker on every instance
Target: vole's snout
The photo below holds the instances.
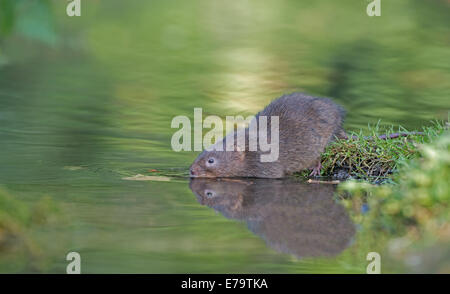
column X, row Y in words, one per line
column 194, row 171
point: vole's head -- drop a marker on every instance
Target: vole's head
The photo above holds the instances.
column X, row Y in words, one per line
column 218, row 164
column 222, row 164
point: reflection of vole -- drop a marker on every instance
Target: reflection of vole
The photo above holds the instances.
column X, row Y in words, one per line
column 306, row 125
column 296, row 218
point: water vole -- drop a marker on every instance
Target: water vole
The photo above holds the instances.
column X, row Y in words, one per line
column 306, row 125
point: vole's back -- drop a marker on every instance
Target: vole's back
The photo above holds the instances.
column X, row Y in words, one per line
column 306, row 125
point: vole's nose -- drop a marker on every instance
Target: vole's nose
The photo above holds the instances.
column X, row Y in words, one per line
column 191, row 172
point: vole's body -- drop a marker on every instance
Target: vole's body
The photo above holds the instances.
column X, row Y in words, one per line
column 306, row 125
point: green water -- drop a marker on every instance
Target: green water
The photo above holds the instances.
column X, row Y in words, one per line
column 87, row 101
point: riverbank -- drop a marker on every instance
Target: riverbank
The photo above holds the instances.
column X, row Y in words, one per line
column 413, row 212
column 371, row 158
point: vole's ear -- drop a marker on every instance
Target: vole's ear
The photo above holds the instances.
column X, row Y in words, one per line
column 242, row 155
column 241, row 151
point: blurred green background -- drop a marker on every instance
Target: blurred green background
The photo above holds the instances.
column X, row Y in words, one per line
column 86, row 101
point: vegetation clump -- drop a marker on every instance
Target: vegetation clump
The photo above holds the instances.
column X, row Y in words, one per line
column 372, row 158
column 415, row 208
column 17, row 222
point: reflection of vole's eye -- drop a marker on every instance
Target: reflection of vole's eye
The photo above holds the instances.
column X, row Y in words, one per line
column 209, row 193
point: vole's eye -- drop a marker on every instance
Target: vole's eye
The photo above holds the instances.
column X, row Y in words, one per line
column 211, row 161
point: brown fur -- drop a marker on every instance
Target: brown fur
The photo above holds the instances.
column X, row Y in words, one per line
column 306, row 125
